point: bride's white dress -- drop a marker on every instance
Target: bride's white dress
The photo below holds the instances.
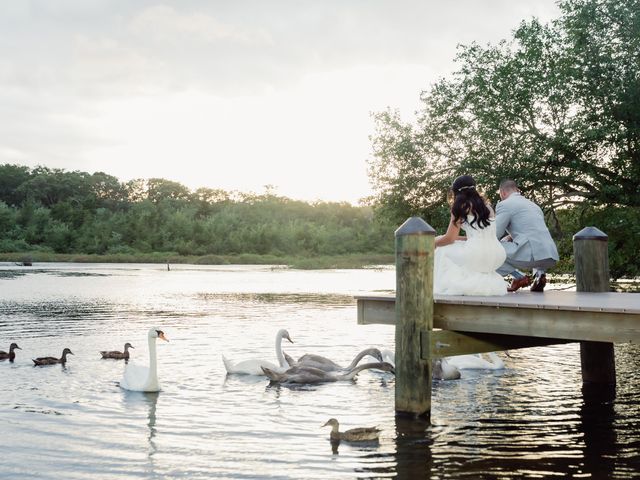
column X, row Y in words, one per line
column 468, row 267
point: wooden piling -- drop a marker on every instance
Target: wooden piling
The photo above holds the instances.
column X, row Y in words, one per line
column 590, row 248
column 414, row 316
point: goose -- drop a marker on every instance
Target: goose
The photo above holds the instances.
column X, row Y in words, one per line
column 361, row 434
column 254, row 366
column 118, row 355
column 11, row 355
column 304, row 374
column 328, row 365
column 477, row 362
column 52, row 360
column 140, row 378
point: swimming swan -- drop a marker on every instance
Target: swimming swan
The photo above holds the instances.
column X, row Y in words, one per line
column 443, row 370
column 118, row 355
column 360, row 434
column 140, row 378
column 477, row 361
column 254, row 366
column 11, row 355
column 52, row 360
column 328, row 365
column 303, row 374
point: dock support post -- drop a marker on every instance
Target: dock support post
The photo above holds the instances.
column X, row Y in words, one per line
column 590, row 248
column 414, row 316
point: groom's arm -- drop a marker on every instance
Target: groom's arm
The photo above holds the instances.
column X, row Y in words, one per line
column 502, row 220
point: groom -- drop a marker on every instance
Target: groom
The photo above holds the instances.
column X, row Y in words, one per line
column 524, row 235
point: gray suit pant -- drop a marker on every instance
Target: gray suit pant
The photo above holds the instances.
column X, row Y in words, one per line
column 512, row 264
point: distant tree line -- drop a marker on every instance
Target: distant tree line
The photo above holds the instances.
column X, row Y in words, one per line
column 556, row 107
column 77, row 212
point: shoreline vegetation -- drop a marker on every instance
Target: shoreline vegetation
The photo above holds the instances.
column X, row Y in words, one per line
column 561, row 275
column 349, row 261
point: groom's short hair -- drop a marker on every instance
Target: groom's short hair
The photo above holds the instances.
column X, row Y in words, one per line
column 508, row 186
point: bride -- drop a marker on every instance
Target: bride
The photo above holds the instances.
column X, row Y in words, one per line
column 466, row 265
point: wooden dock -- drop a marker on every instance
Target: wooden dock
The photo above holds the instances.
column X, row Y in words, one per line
column 429, row 327
column 519, row 319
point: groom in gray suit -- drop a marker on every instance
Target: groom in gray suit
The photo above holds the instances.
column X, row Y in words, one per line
column 521, row 228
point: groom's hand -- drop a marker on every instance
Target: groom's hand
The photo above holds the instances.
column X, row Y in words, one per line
column 506, row 238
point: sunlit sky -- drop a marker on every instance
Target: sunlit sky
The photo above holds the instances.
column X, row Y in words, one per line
column 227, row 94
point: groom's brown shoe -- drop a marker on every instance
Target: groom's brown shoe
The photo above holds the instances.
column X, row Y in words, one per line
column 518, row 283
column 538, row 283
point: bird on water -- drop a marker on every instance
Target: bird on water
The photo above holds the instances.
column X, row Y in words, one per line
column 360, row 434
column 10, row 354
column 124, row 355
column 40, row 361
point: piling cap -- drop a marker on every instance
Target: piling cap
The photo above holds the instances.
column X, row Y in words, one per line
column 415, row 226
column 591, row 233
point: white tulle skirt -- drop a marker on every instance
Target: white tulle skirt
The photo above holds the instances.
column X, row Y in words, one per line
column 469, row 268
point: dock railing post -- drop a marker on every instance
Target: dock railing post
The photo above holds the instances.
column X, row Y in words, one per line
column 590, row 248
column 414, row 315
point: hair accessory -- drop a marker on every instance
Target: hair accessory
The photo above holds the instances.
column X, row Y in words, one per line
column 470, row 187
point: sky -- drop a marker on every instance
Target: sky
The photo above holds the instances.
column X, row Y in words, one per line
column 234, row 95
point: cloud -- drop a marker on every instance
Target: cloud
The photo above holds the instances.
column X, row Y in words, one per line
column 259, row 91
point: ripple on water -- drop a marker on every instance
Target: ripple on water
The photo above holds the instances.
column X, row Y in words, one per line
column 529, row 420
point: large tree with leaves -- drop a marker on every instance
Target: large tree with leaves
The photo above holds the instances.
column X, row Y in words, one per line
column 556, row 107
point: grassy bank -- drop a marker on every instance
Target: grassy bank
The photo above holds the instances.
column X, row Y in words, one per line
column 309, row 263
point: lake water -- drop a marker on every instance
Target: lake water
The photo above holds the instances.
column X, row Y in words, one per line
column 529, row 420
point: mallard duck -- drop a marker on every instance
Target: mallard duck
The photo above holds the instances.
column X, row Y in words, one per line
column 254, row 366
column 361, row 434
column 328, row 365
column 304, row 374
column 118, row 355
column 11, row 355
column 53, row 360
column 141, row 378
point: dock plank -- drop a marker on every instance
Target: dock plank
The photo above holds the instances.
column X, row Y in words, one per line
column 580, row 316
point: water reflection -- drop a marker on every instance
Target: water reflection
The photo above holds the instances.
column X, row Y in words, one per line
column 597, row 417
column 527, row 421
column 145, row 402
column 413, row 452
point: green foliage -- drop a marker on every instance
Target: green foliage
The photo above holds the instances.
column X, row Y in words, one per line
column 556, row 107
column 95, row 214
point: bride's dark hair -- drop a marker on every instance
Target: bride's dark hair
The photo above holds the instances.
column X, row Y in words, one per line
column 467, row 201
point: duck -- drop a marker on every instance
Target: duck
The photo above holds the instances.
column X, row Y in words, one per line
column 253, row 366
column 305, row 374
column 360, row 434
column 328, row 365
column 11, row 355
column 139, row 378
column 477, row 361
column 118, row 355
column 52, row 360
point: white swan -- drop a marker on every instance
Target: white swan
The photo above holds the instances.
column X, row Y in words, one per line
column 140, row 378
column 477, row 361
column 254, row 366
column 443, row 370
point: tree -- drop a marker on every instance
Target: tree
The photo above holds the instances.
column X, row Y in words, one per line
column 11, row 177
column 557, row 107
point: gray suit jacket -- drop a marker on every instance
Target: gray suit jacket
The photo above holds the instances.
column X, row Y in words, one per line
column 524, row 221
